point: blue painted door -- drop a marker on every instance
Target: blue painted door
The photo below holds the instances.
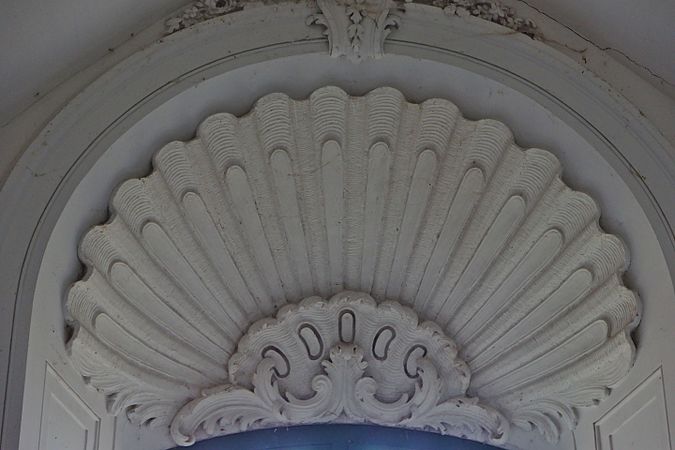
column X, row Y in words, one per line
column 338, row 437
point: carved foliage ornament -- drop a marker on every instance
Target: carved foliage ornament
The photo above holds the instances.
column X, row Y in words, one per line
column 347, row 360
column 201, row 10
column 401, row 201
column 357, row 29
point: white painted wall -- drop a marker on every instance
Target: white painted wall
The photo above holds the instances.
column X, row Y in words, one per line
column 638, row 31
column 43, row 43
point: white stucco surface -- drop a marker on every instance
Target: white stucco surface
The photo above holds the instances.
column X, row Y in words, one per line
column 59, row 48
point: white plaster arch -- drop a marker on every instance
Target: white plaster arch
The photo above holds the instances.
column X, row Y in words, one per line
column 579, row 102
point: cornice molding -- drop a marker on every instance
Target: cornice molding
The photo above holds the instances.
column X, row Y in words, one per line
column 406, row 202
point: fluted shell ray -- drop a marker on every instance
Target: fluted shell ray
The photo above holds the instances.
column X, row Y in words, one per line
column 402, row 201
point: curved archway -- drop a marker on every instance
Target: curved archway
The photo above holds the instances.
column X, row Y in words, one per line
column 604, row 157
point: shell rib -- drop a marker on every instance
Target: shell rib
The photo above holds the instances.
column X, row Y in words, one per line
column 405, row 202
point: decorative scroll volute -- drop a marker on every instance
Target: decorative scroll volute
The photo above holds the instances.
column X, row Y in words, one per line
column 303, row 335
column 343, row 360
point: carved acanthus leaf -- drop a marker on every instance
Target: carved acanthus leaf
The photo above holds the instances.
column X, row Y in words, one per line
column 371, row 349
column 356, row 28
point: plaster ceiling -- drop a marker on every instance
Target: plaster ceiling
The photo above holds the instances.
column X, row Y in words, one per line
column 45, row 43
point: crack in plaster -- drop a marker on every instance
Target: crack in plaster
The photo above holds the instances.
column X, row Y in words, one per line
column 599, row 47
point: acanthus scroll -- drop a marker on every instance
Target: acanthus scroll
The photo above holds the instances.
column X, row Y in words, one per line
column 356, row 29
column 342, row 393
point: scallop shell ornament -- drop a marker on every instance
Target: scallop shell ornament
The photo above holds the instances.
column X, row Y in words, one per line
column 352, row 259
